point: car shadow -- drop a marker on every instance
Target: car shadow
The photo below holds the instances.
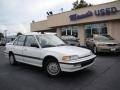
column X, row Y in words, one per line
column 81, row 73
column 64, row 75
column 29, row 67
column 108, row 54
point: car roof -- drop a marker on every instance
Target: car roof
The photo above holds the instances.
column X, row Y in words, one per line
column 32, row 33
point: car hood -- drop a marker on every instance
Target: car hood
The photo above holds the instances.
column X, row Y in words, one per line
column 70, row 50
column 108, row 42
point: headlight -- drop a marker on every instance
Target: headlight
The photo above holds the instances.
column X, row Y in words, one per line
column 101, row 44
column 91, row 53
column 67, row 58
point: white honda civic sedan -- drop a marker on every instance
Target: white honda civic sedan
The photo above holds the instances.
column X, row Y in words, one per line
column 49, row 52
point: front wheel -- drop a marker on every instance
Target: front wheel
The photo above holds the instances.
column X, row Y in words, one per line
column 52, row 68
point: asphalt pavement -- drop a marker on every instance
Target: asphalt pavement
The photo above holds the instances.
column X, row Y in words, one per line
column 103, row 75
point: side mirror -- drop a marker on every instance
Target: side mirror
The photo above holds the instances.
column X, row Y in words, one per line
column 34, row 45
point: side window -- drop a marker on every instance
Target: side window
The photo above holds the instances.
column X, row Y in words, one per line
column 30, row 40
column 16, row 41
column 21, row 41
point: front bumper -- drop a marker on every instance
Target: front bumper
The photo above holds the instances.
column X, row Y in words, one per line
column 79, row 65
column 108, row 48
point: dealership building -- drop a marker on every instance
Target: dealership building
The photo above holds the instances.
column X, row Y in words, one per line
column 84, row 22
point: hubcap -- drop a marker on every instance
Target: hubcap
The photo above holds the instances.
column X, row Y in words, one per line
column 53, row 68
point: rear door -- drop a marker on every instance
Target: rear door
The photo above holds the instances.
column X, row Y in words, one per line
column 32, row 51
column 18, row 48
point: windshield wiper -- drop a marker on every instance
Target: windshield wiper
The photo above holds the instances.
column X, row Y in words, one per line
column 61, row 45
column 48, row 46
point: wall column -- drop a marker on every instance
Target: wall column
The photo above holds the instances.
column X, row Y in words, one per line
column 113, row 28
column 81, row 35
column 58, row 31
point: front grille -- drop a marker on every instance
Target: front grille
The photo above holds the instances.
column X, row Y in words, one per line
column 118, row 50
column 111, row 44
column 84, row 63
column 72, row 44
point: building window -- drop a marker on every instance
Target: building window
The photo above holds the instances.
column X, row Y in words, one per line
column 103, row 30
column 70, row 30
column 63, row 31
column 91, row 29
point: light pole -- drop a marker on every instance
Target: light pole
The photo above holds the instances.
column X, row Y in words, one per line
column 5, row 31
column 61, row 10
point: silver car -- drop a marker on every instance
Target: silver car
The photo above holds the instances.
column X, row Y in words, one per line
column 103, row 43
column 3, row 42
column 71, row 40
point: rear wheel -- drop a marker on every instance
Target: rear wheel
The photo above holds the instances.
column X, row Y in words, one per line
column 52, row 68
column 12, row 59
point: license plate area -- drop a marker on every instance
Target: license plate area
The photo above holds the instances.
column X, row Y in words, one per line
column 113, row 49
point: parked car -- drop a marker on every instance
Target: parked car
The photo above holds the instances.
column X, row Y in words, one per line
column 71, row 40
column 49, row 52
column 3, row 42
column 103, row 43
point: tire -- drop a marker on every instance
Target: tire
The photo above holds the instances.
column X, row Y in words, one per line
column 12, row 59
column 52, row 68
column 117, row 53
column 95, row 50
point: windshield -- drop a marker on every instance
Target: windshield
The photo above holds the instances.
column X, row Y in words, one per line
column 103, row 37
column 49, row 41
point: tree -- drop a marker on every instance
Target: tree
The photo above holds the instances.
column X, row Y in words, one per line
column 19, row 33
column 1, row 36
column 80, row 4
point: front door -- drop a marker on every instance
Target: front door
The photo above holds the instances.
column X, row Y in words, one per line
column 31, row 51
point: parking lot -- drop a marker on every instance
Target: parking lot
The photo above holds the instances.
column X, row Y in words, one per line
column 103, row 75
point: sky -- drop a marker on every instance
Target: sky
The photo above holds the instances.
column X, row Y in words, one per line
column 16, row 15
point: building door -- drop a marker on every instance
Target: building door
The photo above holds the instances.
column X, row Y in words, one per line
column 91, row 29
